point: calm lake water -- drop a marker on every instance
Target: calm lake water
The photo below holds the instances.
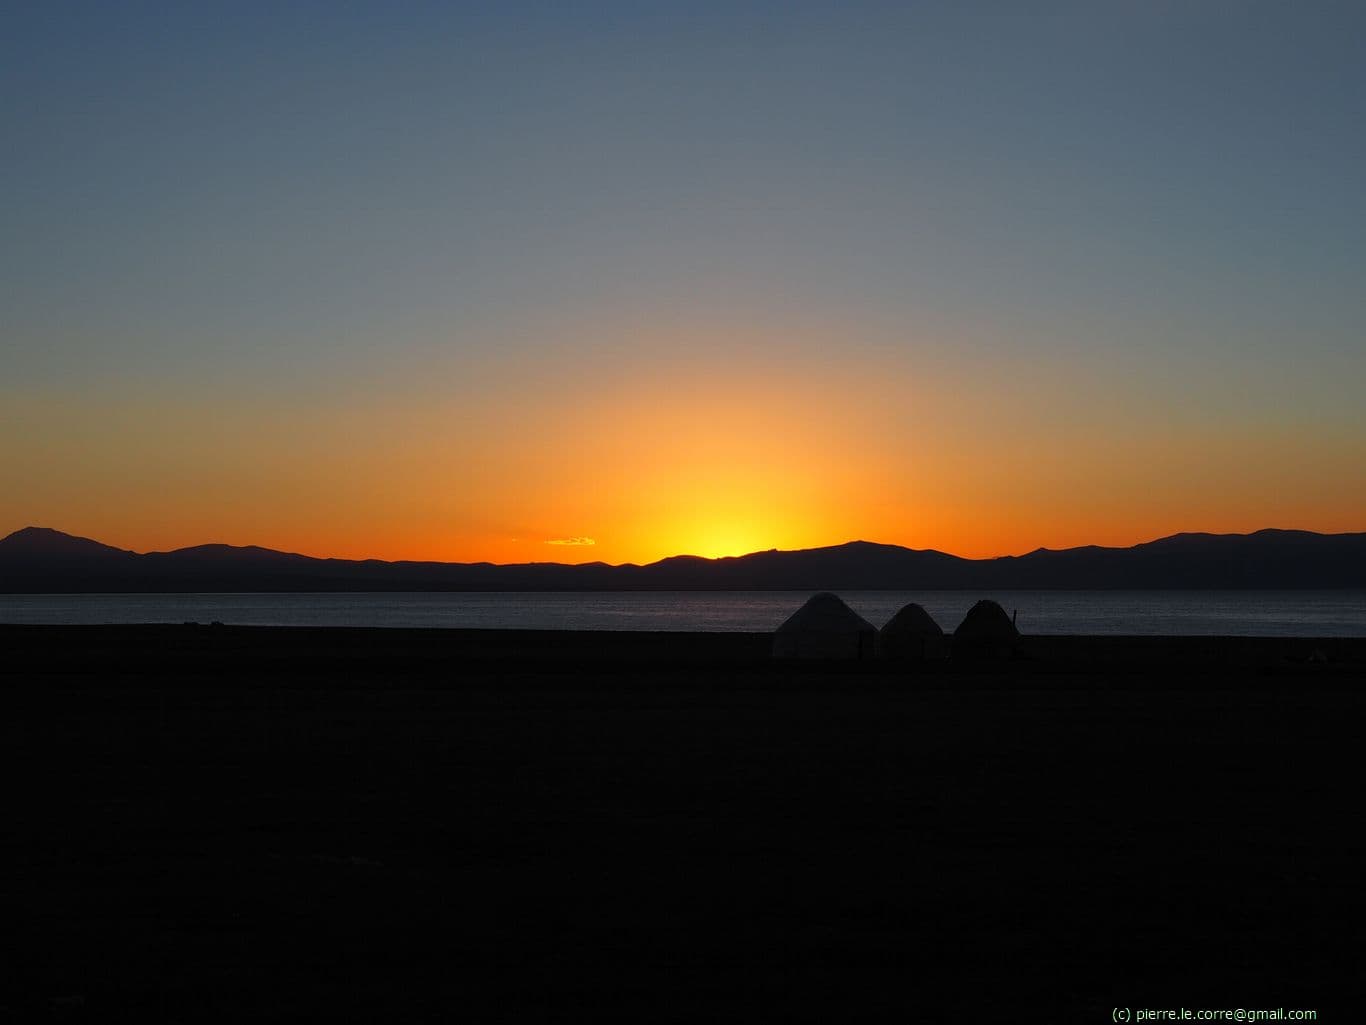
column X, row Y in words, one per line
column 1227, row 613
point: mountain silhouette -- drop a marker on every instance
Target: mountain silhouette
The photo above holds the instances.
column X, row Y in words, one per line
column 45, row 543
column 38, row 559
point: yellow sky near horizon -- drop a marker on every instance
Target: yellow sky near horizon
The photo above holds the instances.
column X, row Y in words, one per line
column 713, row 452
column 460, row 282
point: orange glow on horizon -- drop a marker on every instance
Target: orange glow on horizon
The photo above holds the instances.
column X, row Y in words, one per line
column 722, row 543
column 717, row 451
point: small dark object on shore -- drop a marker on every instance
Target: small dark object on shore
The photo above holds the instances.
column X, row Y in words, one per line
column 986, row 632
column 825, row 627
column 912, row 634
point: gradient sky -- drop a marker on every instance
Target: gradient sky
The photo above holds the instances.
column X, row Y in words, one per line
column 446, row 281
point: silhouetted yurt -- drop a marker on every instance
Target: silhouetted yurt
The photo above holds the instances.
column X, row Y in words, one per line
column 825, row 627
column 986, row 631
column 911, row 634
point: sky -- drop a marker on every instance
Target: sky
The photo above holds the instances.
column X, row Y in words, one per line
column 490, row 282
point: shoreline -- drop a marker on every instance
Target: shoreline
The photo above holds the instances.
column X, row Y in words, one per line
column 64, row 649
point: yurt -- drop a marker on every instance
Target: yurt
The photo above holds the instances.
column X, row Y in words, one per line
column 912, row 634
column 986, row 632
column 825, row 627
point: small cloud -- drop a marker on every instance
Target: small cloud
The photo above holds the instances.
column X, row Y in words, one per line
column 575, row 541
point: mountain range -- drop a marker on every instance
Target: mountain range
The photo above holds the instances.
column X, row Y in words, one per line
column 41, row 560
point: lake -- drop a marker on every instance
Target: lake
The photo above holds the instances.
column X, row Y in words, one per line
column 1220, row 613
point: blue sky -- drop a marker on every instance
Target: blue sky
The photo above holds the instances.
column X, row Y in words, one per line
column 1161, row 203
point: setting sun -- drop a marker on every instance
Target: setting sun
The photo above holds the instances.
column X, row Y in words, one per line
column 718, row 540
column 681, row 311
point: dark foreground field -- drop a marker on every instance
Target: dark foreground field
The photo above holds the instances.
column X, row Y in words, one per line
column 235, row 825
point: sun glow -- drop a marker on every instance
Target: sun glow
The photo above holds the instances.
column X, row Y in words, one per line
column 810, row 452
column 721, row 539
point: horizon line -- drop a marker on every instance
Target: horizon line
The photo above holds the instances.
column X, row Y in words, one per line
column 681, row 555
